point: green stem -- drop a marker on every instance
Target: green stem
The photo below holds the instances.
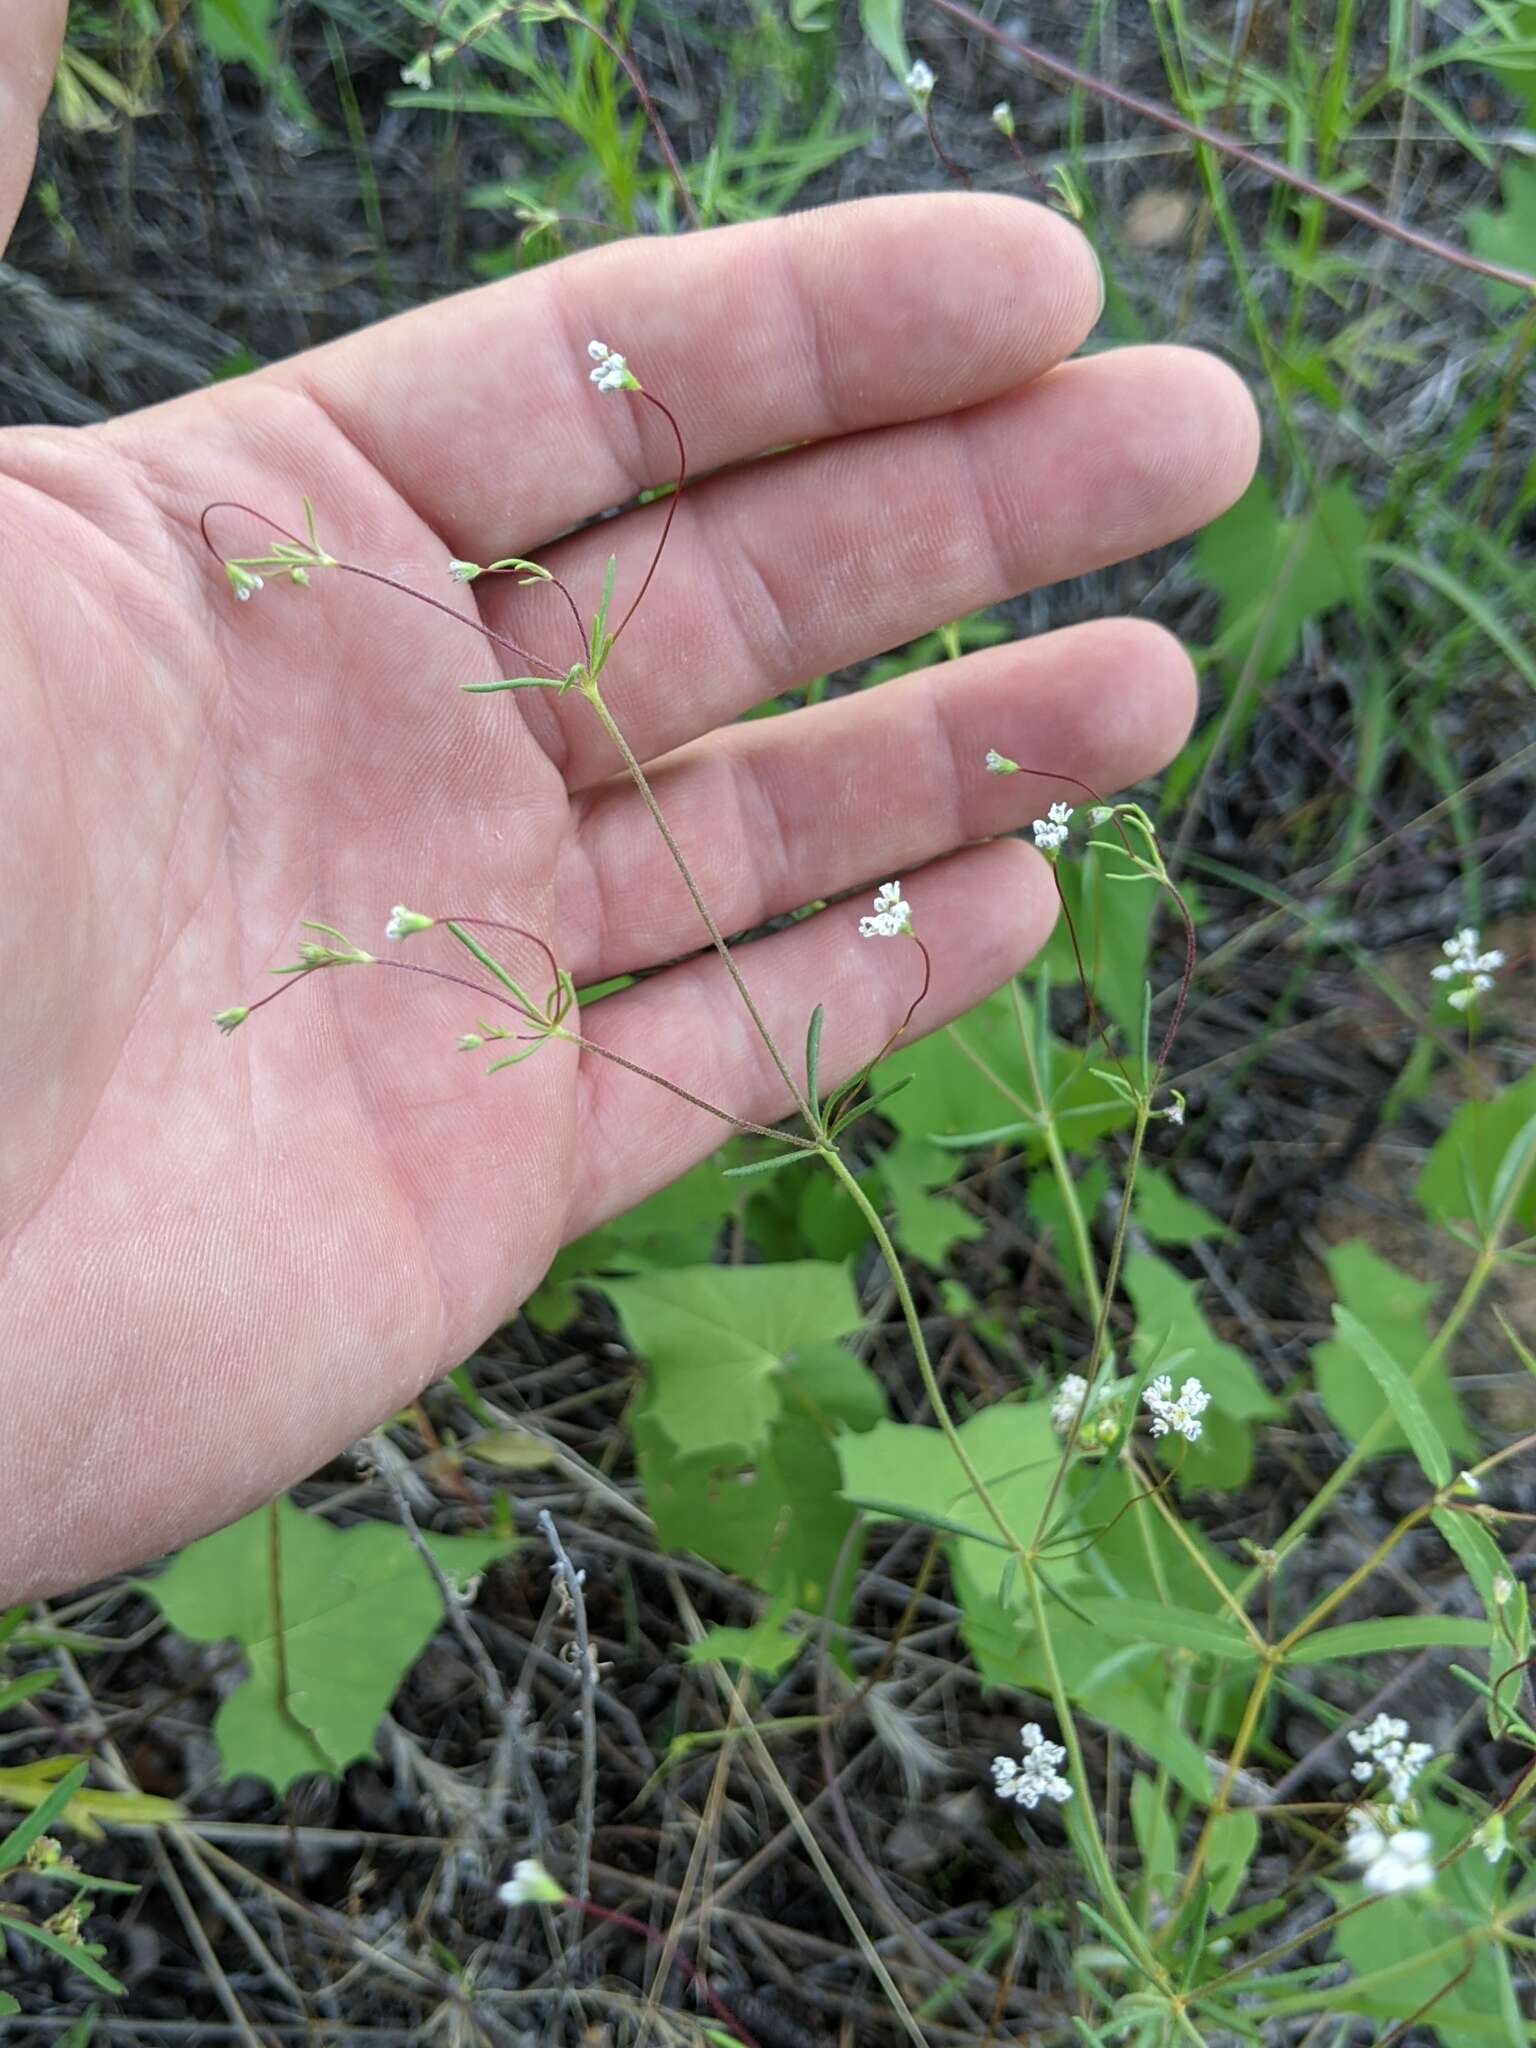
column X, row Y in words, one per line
column 637, row 775
column 1467, row 1300
column 1088, row 1833
column 930, row 1381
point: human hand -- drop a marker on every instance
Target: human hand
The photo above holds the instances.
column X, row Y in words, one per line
column 220, row 1261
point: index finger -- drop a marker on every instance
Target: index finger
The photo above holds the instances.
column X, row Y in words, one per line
column 480, row 412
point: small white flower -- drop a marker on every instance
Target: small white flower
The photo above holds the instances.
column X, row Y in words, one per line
column 1492, row 1837
column 470, row 1041
column 243, row 582
column 403, row 922
column 1068, row 1403
column 892, row 918
column 1383, row 1745
column 1181, row 1415
column 231, row 1020
column 920, row 82
column 999, row 764
column 1051, row 830
column 1469, row 1484
column 1467, row 965
column 1398, row 1862
column 418, row 72
column 530, row 1885
column 464, row 572
column 1174, row 1113
column 1038, row 1776
column 1002, row 118
column 610, row 372
column 1101, row 814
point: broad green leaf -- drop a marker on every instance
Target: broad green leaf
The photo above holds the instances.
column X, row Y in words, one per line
column 777, row 1519
column 767, row 1647
column 1166, row 1215
column 1047, row 1204
column 1170, row 1322
column 1112, row 916
column 973, row 1076
column 1390, row 1632
column 677, row 1226
column 1155, row 1836
column 1456, row 1185
column 1399, row 1393
column 1461, row 1999
column 358, row 1608
column 240, row 32
column 8, row 2005
column 1273, row 574
column 1509, row 235
column 716, row 1340
column 1391, row 1304
column 928, row 1225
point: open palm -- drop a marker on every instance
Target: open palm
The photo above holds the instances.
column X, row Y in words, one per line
column 220, row 1260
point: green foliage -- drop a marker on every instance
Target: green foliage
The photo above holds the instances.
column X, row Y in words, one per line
column 775, row 1519
column 1508, row 235
column 1391, row 1305
column 1168, row 1216
column 1272, row 574
column 1173, row 1336
column 241, row 32
column 357, row 1606
column 1460, row 1182
column 717, row 1340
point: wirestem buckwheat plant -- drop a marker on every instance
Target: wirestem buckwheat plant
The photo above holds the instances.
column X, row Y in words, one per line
column 1165, row 1964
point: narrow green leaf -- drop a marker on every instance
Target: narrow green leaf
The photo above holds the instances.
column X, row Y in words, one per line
column 514, row 683
column 1178, row 1628
column 813, row 1053
column 882, row 21
column 77, row 1954
column 792, row 1158
column 597, row 645
column 1429, row 1446
column 22, row 1688
column 41, row 1818
column 1390, row 1632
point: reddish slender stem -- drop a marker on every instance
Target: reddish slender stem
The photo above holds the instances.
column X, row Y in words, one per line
column 496, row 924
column 475, row 624
column 675, row 1955
column 1227, row 145
column 617, row 48
column 677, row 492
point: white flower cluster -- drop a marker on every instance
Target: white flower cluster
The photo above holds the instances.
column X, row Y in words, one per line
column 243, row 582
column 1038, row 1776
column 892, row 918
column 920, row 82
column 999, row 764
column 1402, row 1861
column 1051, row 830
column 1100, row 1419
column 1465, row 964
column 1383, row 1745
column 611, row 372
column 1181, row 1414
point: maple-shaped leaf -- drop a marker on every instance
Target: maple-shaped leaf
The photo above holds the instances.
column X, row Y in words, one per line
column 358, row 1607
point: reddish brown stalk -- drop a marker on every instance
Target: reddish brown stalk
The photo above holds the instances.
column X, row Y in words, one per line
column 726, row 1116
column 957, row 171
column 1227, row 145
column 476, row 624
column 1050, row 197
column 673, row 1954
column 677, row 492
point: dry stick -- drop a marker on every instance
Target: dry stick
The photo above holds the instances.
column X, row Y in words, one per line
column 573, row 1599
column 1228, row 145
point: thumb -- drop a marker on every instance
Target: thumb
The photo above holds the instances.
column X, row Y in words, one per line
column 31, row 33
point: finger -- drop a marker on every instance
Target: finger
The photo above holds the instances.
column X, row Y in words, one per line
column 479, row 409
column 773, row 814
column 982, row 915
column 788, row 569
column 30, row 38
